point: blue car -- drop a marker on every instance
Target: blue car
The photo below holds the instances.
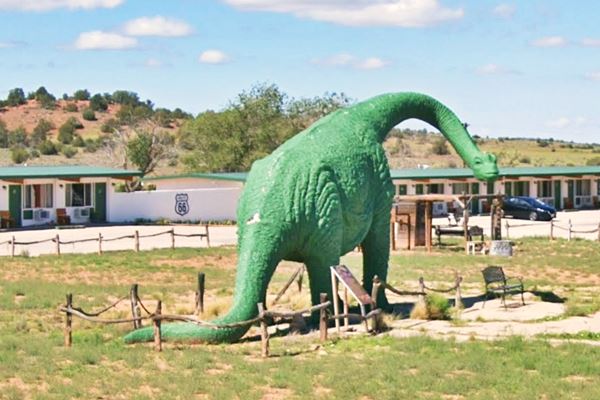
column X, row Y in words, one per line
column 528, row 208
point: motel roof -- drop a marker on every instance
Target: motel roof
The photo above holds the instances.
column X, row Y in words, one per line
column 64, row 171
column 424, row 173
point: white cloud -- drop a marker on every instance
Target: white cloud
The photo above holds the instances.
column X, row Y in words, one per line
column 593, row 76
column 98, row 40
column 401, row 13
column 9, row 45
column 504, row 10
column 153, row 63
column 550, row 41
column 371, row 63
column 590, row 42
column 348, row 60
column 495, row 69
column 213, row 57
column 561, row 122
column 46, row 5
column 157, row 26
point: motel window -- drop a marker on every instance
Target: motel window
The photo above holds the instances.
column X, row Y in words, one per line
column 583, row 187
column 402, row 190
column 516, row 188
column 78, row 195
column 544, row 189
column 435, row 188
column 459, row 188
column 38, row 196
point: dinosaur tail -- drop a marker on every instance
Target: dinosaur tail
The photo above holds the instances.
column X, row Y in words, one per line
column 255, row 268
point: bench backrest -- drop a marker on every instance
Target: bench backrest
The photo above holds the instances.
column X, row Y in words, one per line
column 5, row 214
column 61, row 212
column 493, row 274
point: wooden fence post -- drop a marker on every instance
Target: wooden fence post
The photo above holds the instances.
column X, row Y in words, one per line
column 200, row 293
column 300, row 278
column 376, row 324
column 156, row 322
column 99, row 243
column 421, row 287
column 57, row 240
column 458, row 304
column 346, row 309
column 507, row 226
column 336, row 305
column 323, row 318
column 207, row 236
column 12, row 247
column 68, row 322
column 135, row 311
column 551, row 229
column 570, row 231
column 264, row 333
column 136, row 237
column 172, row 239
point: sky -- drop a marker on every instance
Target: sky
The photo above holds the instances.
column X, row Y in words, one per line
column 515, row 68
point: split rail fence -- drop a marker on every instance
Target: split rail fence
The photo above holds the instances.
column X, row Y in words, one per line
column 100, row 239
column 553, row 227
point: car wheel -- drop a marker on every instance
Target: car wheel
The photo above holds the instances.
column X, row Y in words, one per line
column 533, row 216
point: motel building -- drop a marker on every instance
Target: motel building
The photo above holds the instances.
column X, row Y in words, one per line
column 561, row 187
column 47, row 195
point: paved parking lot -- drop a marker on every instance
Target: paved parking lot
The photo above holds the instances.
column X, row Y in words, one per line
column 227, row 235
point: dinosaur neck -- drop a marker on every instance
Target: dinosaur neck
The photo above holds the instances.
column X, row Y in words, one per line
column 386, row 111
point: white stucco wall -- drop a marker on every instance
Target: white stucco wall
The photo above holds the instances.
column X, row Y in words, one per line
column 204, row 204
column 192, row 183
column 4, row 195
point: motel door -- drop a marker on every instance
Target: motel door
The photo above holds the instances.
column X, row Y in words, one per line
column 100, row 202
column 475, row 201
column 557, row 195
column 14, row 203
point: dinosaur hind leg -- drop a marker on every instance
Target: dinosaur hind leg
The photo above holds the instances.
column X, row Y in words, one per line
column 376, row 254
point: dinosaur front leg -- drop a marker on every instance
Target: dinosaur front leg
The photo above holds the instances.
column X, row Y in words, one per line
column 376, row 253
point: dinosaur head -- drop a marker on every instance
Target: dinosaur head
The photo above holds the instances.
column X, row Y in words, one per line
column 484, row 166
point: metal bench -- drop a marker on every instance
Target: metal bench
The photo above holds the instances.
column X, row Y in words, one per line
column 497, row 282
column 457, row 231
column 6, row 220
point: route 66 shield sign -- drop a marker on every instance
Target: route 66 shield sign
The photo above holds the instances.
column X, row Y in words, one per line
column 182, row 206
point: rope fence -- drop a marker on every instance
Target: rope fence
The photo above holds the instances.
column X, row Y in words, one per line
column 12, row 243
column 423, row 288
column 553, row 225
column 264, row 317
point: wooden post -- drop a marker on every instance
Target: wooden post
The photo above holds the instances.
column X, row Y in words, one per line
column 136, row 237
column 458, row 304
column 172, row 239
column 68, row 322
column 135, row 311
column 551, row 229
column 57, row 240
column 12, row 247
column 336, row 306
column 323, row 318
column 570, row 230
column 428, row 206
column 264, row 333
column 300, row 278
column 156, row 323
column 393, row 234
column 376, row 324
column 207, row 236
column 99, row 243
column 346, row 309
column 200, row 293
column 507, row 226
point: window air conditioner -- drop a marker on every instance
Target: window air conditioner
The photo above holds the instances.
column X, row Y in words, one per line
column 39, row 215
column 81, row 212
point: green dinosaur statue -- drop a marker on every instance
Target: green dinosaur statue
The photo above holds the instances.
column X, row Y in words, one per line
column 318, row 196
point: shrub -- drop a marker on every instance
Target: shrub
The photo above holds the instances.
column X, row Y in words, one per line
column 91, row 145
column 66, row 132
column 15, row 97
column 3, row 135
column 71, row 107
column 33, row 153
column 40, row 132
column 109, row 126
column 593, row 161
column 68, row 151
column 525, row 160
column 46, row 100
column 440, row 147
column 435, row 306
column 81, row 94
column 75, row 122
column 98, row 103
column 47, row 148
column 18, row 137
column 18, row 155
column 89, row 114
column 78, row 141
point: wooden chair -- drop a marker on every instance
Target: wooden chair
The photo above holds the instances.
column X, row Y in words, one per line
column 62, row 218
column 497, row 282
column 6, row 220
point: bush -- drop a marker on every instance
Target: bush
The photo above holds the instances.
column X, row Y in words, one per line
column 110, row 126
column 525, row 160
column 593, row 161
column 75, row 122
column 98, row 103
column 46, row 100
column 18, row 155
column 91, row 145
column 66, row 132
column 40, row 132
column 440, row 147
column 15, row 97
column 47, row 148
column 18, row 137
column 81, row 94
column 3, row 135
column 435, row 306
column 33, row 153
column 71, row 107
column 89, row 115
column 68, row 151
column 78, row 141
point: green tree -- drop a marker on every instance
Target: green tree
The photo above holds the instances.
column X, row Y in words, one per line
column 47, row 148
column 125, row 97
column 81, row 94
column 148, row 148
column 40, row 132
column 45, row 99
column 133, row 115
column 89, row 115
column 18, row 137
column 3, row 135
column 18, row 154
column 98, row 103
column 66, row 132
column 15, row 97
column 440, row 147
